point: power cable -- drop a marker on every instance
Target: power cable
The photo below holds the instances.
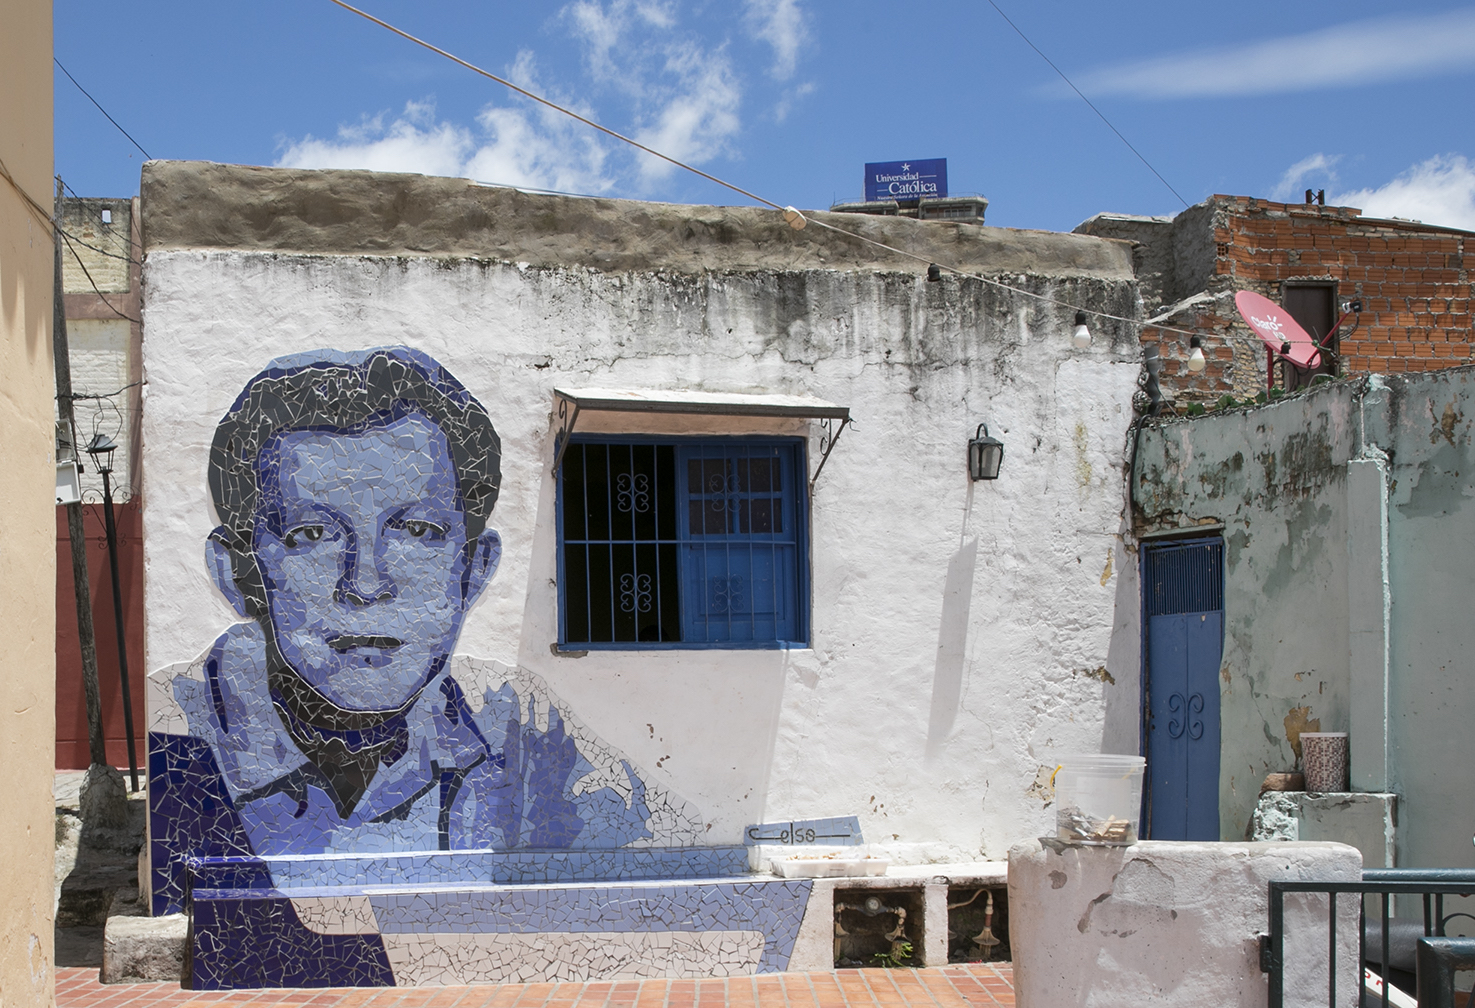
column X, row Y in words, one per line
column 100, row 251
column 102, row 110
column 105, row 395
column 1088, row 101
column 87, row 273
column 794, row 217
column 36, row 208
column 553, row 105
column 94, row 248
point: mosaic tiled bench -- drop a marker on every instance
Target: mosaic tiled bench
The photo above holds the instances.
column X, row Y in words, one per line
column 486, row 917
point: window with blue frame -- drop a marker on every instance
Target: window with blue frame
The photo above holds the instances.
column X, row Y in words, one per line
column 682, row 543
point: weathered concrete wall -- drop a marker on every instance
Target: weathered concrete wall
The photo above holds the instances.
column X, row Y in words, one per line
column 1173, row 924
column 1274, row 478
column 961, row 630
column 201, row 205
column 1424, row 423
column 1348, row 551
column 1152, row 251
column 27, row 550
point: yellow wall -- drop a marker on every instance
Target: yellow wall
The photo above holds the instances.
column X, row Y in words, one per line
column 27, row 502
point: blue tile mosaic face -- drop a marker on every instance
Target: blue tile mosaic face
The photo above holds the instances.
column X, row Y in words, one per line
column 354, row 491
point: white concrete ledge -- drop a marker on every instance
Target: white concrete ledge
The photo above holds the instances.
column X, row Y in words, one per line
column 1173, row 924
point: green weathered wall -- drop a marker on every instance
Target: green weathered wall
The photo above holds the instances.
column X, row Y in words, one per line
column 1274, row 476
column 1426, row 424
column 1311, row 632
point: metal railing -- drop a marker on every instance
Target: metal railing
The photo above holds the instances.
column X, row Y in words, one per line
column 1443, row 956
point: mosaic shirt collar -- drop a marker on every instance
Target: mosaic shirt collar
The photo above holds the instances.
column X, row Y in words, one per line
column 228, row 701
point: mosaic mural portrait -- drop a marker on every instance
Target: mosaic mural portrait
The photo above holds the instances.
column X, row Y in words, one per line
column 354, row 492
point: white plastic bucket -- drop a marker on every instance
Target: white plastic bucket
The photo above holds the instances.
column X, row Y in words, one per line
column 1098, row 798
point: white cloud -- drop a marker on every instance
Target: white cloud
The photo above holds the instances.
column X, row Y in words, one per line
column 1440, row 190
column 603, row 28
column 670, row 88
column 539, row 148
column 1361, row 52
column 781, row 24
column 699, row 116
column 414, row 142
column 1316, row 164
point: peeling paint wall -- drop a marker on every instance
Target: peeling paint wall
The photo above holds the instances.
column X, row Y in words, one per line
column 962, row 632
column 1274, row 478
column 1313, row 640
column 1426, row 424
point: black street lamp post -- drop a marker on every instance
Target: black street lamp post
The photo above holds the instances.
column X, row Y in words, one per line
column 101, row 449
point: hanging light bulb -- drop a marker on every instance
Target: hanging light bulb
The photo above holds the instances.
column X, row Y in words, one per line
column 1082, row 335
column 1196, row 362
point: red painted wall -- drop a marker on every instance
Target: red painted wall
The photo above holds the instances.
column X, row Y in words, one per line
column 71, row 706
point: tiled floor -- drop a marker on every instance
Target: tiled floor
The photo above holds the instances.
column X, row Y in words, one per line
column 964, row 986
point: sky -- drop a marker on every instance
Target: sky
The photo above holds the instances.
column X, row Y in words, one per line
column 790, row 98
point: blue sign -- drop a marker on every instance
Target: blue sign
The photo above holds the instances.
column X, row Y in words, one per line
column 906, row 180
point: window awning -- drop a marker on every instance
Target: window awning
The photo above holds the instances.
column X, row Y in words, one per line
column 685, row 401
column 571, row 402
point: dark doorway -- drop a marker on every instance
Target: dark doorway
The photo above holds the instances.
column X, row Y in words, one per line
column 1313, row 304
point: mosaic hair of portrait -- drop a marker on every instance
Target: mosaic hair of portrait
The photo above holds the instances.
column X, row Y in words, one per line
column 346, row 393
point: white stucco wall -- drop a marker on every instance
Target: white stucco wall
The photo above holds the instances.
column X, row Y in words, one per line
column 1175, row 924
column 960, row 629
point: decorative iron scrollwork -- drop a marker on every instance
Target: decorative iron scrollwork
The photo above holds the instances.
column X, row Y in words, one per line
column 635, row 592
column 632, row 493
column 728, row 594
column 1187, row 706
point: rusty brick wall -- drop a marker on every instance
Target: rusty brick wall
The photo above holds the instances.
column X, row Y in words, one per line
column 1411, row 278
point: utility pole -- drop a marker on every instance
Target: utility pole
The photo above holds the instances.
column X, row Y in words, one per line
column 64, row 402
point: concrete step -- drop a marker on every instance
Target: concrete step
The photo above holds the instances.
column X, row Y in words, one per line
column 415, row 934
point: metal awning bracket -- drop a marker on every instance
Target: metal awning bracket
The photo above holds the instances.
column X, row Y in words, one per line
column 827, row 444
column 566, row 419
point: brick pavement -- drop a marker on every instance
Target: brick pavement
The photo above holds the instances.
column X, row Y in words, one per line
column 972, row 985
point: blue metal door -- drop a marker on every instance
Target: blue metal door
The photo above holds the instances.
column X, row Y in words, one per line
column 1183, row 604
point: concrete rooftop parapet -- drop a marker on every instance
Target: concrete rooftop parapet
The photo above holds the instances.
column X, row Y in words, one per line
column 198, row 204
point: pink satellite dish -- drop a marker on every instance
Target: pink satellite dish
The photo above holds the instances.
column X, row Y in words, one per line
column 1274, row 325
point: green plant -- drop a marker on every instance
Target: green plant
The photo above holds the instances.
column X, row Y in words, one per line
column 897, row 958
column 1225, row 402
column 1194, row 409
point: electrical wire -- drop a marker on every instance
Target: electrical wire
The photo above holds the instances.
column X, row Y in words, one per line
column 534, row 189
column 94, row 248
column 553, row 105
column 77, row 397
column 93, row 282
column 102, row 110
column 1088, row 101
column 737, row 189
column 99, row 251
column 808, row 219
column 35, row 208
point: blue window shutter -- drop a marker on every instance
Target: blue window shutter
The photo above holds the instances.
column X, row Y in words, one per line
column 740, row 548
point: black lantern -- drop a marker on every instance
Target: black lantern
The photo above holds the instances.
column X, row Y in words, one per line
column 984, row 455
column 101, row 448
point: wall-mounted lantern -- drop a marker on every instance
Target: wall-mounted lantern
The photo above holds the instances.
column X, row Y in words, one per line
column 984, row 455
